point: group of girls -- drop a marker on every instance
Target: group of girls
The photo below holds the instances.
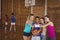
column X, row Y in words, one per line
column 37, row 28
column 12, row 19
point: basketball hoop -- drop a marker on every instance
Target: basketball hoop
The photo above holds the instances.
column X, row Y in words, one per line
column 29, row 3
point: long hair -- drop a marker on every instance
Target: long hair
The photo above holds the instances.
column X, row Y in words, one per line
column 28, row 18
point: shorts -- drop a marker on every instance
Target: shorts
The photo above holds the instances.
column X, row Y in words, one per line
column 6, row 23
column 36, row 38
column 12, row 23
column 26, row 34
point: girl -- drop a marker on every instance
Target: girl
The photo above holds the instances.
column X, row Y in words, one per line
column 12, row 22
column 36, row 29
column 50, row 29
column 28, row 27
column 43, row 34
column 6, row 22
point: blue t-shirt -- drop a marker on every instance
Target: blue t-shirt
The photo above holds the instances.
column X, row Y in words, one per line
column 37, row 27
column 12, row 19
column 27, row 28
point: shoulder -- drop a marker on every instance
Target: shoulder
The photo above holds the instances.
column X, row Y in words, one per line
column 51, row 23
column 27, row 21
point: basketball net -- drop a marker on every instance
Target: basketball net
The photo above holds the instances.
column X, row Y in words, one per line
column 29, row 3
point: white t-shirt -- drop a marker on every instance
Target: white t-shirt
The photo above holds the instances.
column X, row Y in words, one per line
column 36, row 25
column 44, row 31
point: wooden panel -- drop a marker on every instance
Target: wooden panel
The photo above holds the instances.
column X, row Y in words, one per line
column 21, row 13
column 0, row 9
column 0, row 20
column 54, row 14
column 40, row 2
column 38, row 11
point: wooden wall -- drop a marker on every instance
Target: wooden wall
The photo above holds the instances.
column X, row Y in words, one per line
column 54, row 14
column 0, row 19
column 21, row 13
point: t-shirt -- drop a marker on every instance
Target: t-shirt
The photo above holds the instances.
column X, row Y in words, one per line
column 27, row 28
column 12, row 19
column 43, row 31
column 37, row 27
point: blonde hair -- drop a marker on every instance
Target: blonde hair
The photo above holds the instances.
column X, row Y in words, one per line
column 28, row 18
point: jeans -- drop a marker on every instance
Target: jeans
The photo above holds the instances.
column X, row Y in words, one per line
column 35, row 38
column 43, row 37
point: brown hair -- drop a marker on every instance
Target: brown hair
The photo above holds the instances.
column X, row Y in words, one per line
column 37, row 17
column 43, row 19
column 46, row 16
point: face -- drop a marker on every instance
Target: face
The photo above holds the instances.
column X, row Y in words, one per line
column 37, row 20
column 47, row 19
column 41, row 20
column 31, row 18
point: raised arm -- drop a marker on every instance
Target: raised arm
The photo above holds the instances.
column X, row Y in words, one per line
column 46, row 24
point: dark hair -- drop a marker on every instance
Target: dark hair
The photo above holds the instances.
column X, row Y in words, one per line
column 46, row 16
column 31, row 15
column 43, row 19
column 12, row 13
column 6, row 15
column 37, row 17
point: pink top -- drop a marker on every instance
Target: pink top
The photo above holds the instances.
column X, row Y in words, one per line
column 51, row 31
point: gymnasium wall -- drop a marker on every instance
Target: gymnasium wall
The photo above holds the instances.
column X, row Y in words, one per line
column 21, row 13
column 54, row 14
column 0, row 13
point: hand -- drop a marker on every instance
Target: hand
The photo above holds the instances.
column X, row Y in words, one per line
column 35, row 32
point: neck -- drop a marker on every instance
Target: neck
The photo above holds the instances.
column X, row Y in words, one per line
column 37, row 23
column 49, row 21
